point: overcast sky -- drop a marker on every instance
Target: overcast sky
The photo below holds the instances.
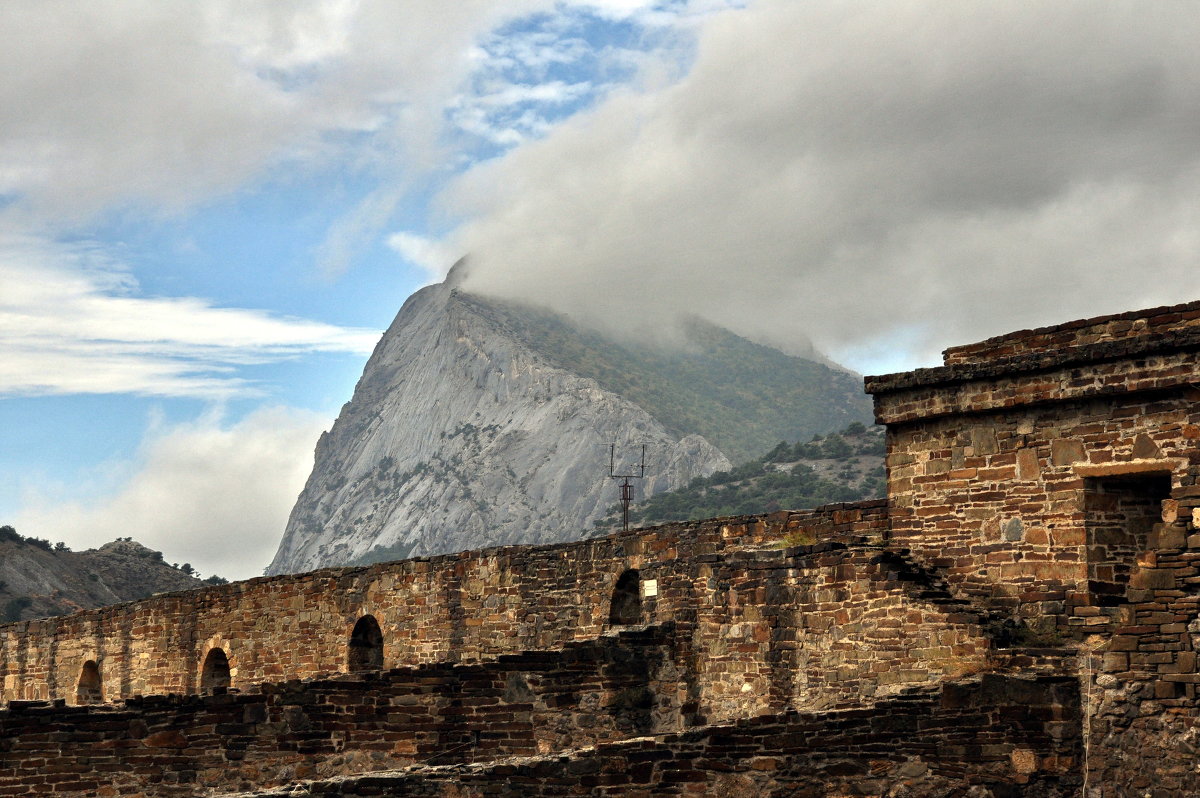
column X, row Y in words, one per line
column 209, row 210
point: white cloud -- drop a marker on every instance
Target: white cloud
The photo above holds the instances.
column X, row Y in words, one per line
column 164, row 105
column 70, row 324
column 861, row 172
column 210, row 493
column 427, row 253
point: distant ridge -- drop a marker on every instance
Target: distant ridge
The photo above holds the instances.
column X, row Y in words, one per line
column 38, row 580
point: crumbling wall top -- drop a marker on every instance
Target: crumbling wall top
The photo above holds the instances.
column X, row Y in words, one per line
column 1072, row 344
column 1099, row 329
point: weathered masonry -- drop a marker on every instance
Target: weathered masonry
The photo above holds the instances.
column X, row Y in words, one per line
column 1020, row 616
column 468, row 607
column 1033, row 468
column 1053, row 474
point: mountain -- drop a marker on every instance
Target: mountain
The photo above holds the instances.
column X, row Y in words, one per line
column 479, row 423
column 39, row 580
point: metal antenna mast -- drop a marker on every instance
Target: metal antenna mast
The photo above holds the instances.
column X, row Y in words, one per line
column 626, row 486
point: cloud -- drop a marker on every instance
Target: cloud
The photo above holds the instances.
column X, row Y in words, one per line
column 422, row 251
column 70, row 323
column 210, row 493
column 922, row 173
column 162, row 106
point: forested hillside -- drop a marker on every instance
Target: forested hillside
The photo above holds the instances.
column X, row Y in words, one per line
column 839, row 467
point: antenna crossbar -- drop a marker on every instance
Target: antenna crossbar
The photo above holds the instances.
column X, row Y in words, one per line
column 625, row 486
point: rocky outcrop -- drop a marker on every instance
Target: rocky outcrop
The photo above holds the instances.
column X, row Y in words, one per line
column 459, row 436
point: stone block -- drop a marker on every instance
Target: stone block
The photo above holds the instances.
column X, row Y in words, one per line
column 1069, row 536
column 1027, row 464
column 1152, row 579
column 1066, row 451
column 983, row 440
column 1144, row 447
column 1012, row 529
column 1114, row 662
column 1038, row 536
column 1168, row 536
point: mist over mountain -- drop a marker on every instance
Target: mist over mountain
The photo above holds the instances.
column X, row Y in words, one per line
column 480, row 422
column 885, row 178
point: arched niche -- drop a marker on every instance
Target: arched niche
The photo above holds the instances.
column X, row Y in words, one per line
column 626, row 606
column 366, row 646
column 90, row 689
column 215, row 671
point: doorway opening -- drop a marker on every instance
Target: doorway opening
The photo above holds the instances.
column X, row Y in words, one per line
column 90, row 689
column 215, row 671
column 626, row 607
column 366, row 646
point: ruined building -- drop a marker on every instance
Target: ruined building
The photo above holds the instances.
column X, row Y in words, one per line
column 1018, row 618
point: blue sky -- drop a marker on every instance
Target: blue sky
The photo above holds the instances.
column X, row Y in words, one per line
column 210, row 211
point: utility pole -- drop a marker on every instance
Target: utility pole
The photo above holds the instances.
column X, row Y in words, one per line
column 626, row 487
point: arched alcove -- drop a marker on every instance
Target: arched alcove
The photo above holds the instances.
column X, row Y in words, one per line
column 215, row 672
column 90, row 689
column 366, row 646
column 626, row 607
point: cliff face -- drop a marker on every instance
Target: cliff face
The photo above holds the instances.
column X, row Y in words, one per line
column 479, row 424
column 460, row 437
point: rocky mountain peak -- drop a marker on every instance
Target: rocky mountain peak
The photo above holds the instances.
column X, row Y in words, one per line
column 479, row 423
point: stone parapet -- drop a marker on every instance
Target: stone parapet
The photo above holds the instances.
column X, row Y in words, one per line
column 466, row 607
column 1154, row 322
column 1124, row 368
column 607, row 689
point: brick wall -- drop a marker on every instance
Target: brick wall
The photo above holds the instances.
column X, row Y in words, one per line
column 523, row 704
column 822, row 626
column 826, row 625
column 998, row 737
column 1053, row 474
column 464, row 607
column 752, row 633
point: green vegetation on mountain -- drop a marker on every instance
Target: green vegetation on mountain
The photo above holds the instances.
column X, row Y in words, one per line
column 840, row 467
column 741, row 396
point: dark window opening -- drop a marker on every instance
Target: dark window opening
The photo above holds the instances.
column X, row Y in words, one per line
column 215, row 672
column 366, row 646
column 626, row 600
column 89, row 690
column 1119, row 514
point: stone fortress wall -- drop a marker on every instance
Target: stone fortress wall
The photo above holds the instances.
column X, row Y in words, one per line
column 466, row 607
column 1031, row 584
